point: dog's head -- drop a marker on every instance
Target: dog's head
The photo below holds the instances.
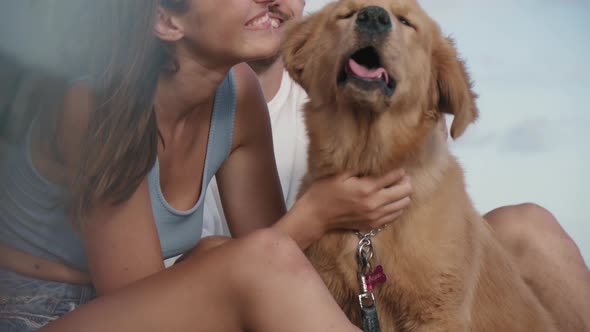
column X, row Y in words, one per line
column 380, row 56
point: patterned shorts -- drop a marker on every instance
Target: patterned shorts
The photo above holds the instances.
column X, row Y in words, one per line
column 27, row 304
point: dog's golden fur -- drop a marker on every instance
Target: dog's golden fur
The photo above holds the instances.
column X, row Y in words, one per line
column 446, row 270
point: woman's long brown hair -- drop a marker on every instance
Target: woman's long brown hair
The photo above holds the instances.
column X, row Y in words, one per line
column 111, row 45
column 120, row 146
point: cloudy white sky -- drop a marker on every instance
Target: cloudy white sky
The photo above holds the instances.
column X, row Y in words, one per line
column 528, row 59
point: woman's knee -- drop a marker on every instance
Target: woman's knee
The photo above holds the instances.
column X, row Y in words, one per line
column 267, row 256
column 264, row 249
column 274, row 248
column 205, row 245
column 210, row 242
column 260, row 259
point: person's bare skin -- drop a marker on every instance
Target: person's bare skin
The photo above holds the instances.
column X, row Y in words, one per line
column 549, row 260
column 220, row 291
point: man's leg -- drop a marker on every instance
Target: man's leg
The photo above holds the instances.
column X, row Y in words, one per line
column 550, row 261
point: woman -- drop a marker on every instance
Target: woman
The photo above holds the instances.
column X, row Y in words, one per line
column 166, row 106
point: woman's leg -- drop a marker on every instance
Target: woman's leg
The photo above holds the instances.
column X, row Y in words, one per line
column 261, row 282
column 549, row 260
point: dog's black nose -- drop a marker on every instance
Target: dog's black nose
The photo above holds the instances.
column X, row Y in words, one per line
column 373, row 20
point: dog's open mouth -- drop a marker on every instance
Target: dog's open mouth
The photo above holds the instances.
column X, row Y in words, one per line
column 364, row 68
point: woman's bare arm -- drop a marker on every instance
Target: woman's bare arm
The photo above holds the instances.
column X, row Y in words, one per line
column 248, row 180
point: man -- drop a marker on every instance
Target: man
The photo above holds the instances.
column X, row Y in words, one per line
column 548, row 258
column 285, row 102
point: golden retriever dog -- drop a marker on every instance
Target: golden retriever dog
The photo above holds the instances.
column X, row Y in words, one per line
column 380, row 75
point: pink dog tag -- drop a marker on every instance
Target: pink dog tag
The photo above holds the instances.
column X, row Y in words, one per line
column 375, row 277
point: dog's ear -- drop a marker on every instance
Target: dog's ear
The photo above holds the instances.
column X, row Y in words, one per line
column 295, row 52
column 452, row 88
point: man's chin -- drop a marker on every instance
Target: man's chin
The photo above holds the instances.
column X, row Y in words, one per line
column 262, row 65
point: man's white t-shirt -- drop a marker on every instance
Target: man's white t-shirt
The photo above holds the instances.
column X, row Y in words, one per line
column 290, row 148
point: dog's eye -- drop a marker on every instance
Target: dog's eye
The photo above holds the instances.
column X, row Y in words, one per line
column 403, row 20
column 347, row 15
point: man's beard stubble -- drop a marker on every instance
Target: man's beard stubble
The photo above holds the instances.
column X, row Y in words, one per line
column 262, row 65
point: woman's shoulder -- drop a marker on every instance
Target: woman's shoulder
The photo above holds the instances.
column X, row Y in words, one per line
column 246, row 82
column 251, row 110
column 249, row 95
column 243, row 72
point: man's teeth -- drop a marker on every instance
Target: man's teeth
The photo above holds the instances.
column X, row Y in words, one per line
column 274, row 23
column 260, row 21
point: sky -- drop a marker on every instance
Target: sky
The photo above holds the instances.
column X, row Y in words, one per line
column 528, row 59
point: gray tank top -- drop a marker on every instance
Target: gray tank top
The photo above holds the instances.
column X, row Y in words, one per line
column 34, row 219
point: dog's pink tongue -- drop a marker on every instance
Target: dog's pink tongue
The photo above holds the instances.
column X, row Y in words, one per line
column 364, row 72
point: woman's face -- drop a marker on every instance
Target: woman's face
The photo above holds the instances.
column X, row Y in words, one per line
column 228, row 31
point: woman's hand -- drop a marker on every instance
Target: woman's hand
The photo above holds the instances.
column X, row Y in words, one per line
column 347, row 202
